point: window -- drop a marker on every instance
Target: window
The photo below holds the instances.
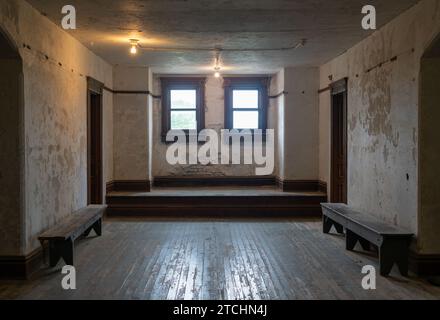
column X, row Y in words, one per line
column 246, row 102
column 183, row 108
column 182, row 104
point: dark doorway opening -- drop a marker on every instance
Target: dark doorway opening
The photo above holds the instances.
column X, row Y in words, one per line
column 338, row 173
column 12, row 163
column 94, row 143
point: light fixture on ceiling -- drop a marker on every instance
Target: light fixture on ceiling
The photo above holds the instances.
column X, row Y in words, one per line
column 134, row 46
column 217, row 67
column 217, row 72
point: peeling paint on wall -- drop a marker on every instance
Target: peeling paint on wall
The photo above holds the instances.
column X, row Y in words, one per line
column 55, row 127
column 383, row 115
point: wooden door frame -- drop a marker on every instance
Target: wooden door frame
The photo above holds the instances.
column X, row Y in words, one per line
column 338, row 87
column 94, row 87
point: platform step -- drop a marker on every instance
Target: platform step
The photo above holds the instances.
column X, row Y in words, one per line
column 215, row 204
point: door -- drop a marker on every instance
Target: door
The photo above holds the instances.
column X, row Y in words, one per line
column 94, row 141
column 338, row 178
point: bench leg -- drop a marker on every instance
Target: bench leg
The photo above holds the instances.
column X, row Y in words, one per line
column 61, row 249
column 98, row 227
column 67, row 252
column 87, row 232
column 54, row 255
column 350, row 240
column 327, row 224
column 391, row 252
column 365, row 244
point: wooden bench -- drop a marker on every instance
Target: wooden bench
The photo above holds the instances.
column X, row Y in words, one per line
column 392, row 242
column 61, row 237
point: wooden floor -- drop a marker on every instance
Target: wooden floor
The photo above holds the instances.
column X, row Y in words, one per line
column 146, row 258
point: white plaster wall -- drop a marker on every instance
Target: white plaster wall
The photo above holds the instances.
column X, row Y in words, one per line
column 276, row 121
column 55, row 103
column 214, row 119
column 383, row 115
column 301, row 109
column 131, row 158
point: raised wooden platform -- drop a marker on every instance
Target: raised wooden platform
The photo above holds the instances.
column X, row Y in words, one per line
column 217, row 201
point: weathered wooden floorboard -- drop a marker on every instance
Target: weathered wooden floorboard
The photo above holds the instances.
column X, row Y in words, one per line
column 148, row 258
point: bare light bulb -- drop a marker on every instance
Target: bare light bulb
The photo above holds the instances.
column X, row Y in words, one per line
column 134, row 46
column 217, row 74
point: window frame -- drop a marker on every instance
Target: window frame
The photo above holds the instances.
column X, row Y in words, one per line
column 182, row 83
column 247, row 83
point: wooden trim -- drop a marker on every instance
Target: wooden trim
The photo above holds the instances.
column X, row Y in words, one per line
column 339, row 86
column 95, row 87
column 21, row 267
column 145, row 92
column 109, row 186
column 424, row 265
column 322, row 186
column 128, row 185
column 191, row 83
column 324, row 90
column 255, row 83
column 302, row 185
column 336, row 194
column 193, row 181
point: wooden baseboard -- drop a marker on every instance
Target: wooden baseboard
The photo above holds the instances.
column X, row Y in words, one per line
column 203, row 181
column 128, row 185
column 322, row 185
column 302, row 185
column 21, row 267
column 424, row 265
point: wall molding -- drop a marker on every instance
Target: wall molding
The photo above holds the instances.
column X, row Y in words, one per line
column 21, row 267
column 207, row 181
column 302, row 185
column 276, row 96
column 144, row 92
column 128, row 185
column 424, row 264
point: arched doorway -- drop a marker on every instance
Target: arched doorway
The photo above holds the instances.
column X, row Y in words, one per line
column 429, row 158
column 11, row 137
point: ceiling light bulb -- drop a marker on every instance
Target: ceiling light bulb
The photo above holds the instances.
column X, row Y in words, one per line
column 217, row 74
column 134, row 46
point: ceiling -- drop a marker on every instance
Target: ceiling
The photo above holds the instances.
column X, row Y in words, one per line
column 330, row 27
